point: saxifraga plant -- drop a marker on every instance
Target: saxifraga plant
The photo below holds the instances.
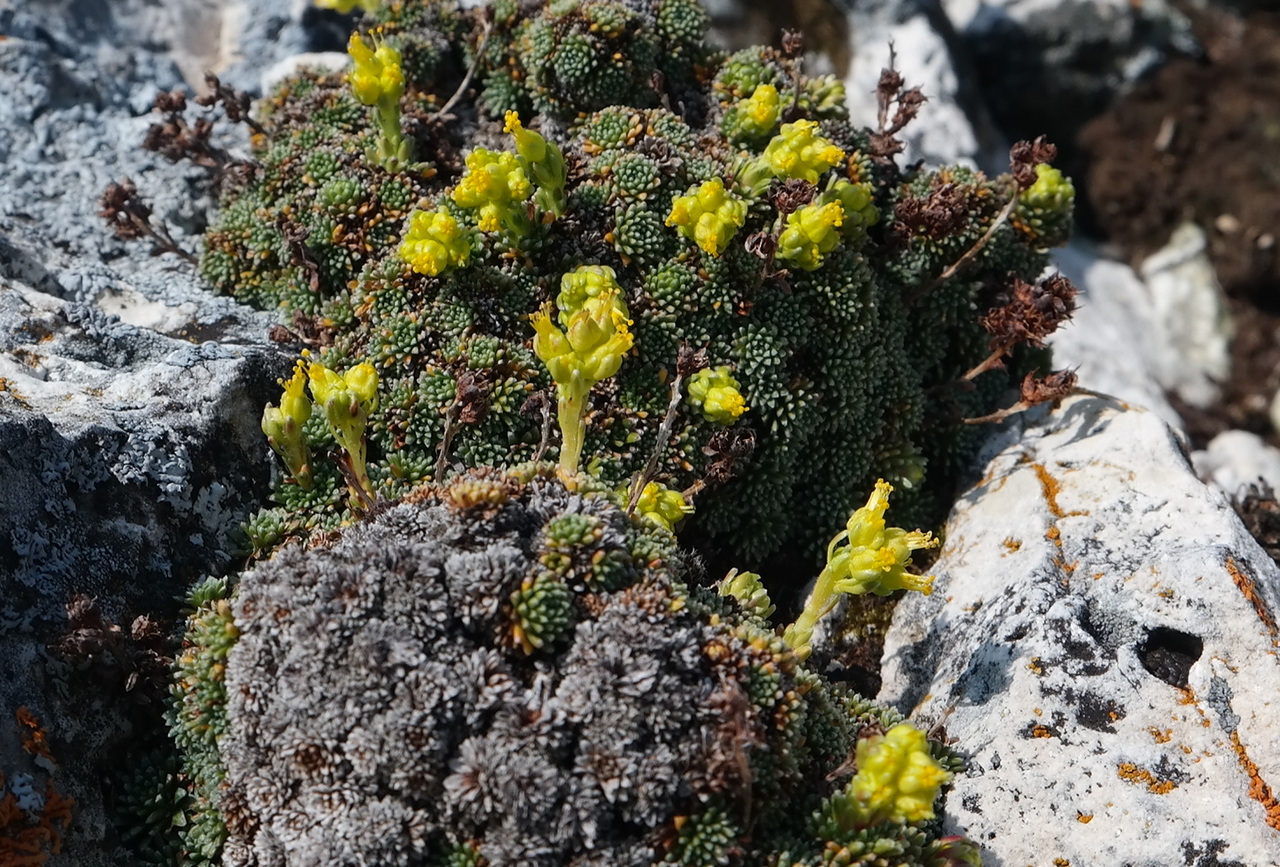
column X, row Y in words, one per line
column 505, row 671
column 734, row 210
column 524, row 173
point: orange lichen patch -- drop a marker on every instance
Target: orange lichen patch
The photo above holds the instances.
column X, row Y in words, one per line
column 1061, row 862
column 1131, row 773
column 34, row 737
column 1258, row 788
column 1245, row 583
column 1034, row 665
column 6, row 386
column 1049, row 485
column 28, row 841
column 1012, row 544
column 1162, row 737
column 1041, row 732
column 1084, row 818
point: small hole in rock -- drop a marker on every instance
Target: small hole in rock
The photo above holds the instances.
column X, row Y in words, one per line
column 1169, row 655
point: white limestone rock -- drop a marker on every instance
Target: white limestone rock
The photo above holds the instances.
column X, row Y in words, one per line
column 1191, row 315
column 1236, row 459
column 1138, row 335
column 1102, row 641
column 1112, row 341
column 952, row 127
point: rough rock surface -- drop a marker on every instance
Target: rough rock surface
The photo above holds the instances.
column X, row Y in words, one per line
column 129, row 396
column 953, row 126
column 1048, row 66
column 1109, row 661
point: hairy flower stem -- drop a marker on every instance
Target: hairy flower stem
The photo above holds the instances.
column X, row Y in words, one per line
column 820, row 602
column 571, row 409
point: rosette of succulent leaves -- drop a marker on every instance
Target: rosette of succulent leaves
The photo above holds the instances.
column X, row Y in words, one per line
column 413, row 214
column 513, row 671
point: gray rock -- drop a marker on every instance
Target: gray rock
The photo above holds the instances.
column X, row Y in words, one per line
column 1102, row 641
column 1049, row 66
column 953, row 126
column 130, row 397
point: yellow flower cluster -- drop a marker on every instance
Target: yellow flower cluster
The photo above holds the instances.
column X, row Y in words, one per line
column 497, row 185
column 717, row 394
column 855, row 201
column 377, row 79
column 866, row 557
column 1052, row 190
column 347, row 400
column 662, row 506
column 875, row 557
column 590, row 347
column 897, row 780
column 811, row 232
column 435, row 243
column 760, row 112
column 709, row 215
column 799, row 152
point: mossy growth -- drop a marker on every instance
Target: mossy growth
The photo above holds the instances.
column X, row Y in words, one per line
column 740, row 212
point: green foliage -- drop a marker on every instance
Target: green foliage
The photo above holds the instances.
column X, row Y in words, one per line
column 151, row 806
column 726, row 230
column 705, row 840
column 198, row 719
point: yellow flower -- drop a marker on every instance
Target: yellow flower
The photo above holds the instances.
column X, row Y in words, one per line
column 376, row 77
column 761, row 110
column 897, row 780
column 529, row 145
column 283, row 427
column 662, row 506
column 582, row 283
column 865, row 557
column 497, row 185
column 348, row 400
column 590, row 348
column 798, row 152
column 345, row 6
column 855, row 201
column 811, row 233
column 875, row 557
column 709, row 215
column 717, row 394
column 435, row 242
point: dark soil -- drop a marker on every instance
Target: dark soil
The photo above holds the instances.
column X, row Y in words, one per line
column 1200, row 141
